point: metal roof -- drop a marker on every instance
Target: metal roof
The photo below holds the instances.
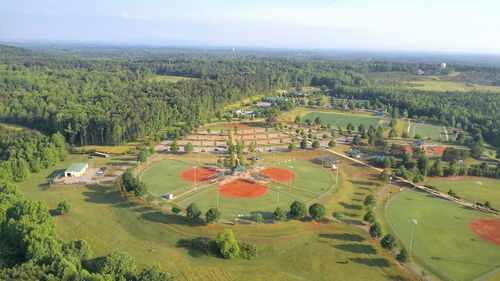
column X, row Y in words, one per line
column 76, row 167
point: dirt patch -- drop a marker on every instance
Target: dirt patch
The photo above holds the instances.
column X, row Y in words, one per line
column 278, row 174
column 488, row 229
column 197, row 174
column 408, row 149
column 242, row 189
column 438, row 149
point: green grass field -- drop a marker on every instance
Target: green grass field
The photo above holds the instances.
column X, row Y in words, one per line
column 424, row 130
column 444, row 86
column 295, row 251
column 13, row 127
column 311, row 181
column 163, row 177
column 466, row 188
column 442, row 239
column 169, row 78
column 342, row 119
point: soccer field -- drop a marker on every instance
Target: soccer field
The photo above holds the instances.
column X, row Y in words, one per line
column 433, row 132
column 342, row 120
column 442, row 240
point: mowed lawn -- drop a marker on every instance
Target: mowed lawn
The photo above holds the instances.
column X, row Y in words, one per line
column 466, row 188
column 294, row 251
column 342, row 120
column 164, row 177
column 434, row 132
column 442, row 239
column 309, row 183
column 309, row 177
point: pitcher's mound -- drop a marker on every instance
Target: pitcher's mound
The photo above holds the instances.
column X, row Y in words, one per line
column 278, row 174
column 488, row 229
column 197, row 174
column 242, row 189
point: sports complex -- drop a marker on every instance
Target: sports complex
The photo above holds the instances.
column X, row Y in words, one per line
column 241, row 191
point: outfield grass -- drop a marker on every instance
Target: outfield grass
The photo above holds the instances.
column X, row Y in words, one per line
column 442, row 239
column 425, row 130
column 466, row 188
column 311, row 181
column 295, row 251
column 163, row 177
column 342, row 119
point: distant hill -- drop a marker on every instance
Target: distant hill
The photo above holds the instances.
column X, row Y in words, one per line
column 11, row 51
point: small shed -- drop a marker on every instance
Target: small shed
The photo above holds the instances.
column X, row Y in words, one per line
column 101, row 154
column 76, row 170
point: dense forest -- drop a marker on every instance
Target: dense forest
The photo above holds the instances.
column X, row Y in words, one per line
column 110, row 96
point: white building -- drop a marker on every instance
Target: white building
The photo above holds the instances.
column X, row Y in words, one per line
column 76, row 170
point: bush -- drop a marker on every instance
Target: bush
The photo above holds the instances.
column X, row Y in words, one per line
column 388, row 242
column 227, row 244
column 298, row 210
column 63, row 207
column 193, row 212
column 317, row 211
column 403, row 256
column 259, row 218
column 369, row 217
column 212, row 215
column 247, row 251
column 331, row 143
column 369, row 201
column 176, row 209
column 376, row 230
column 279, row 214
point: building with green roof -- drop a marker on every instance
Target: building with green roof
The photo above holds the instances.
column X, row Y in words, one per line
column 76, row 170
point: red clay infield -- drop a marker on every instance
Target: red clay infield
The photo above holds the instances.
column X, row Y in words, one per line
column 197, row 174
column 488, row 229
column 278, row 174
column 438, row 149
column 242, row 189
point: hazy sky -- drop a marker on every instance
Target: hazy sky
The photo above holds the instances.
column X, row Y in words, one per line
column 438, row 25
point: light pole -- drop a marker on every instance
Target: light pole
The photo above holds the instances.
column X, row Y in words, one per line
column 218, row 191
column 478, row 183
column 290, row 178
column 278, row 197
column 414, row 221
column 195, row 180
